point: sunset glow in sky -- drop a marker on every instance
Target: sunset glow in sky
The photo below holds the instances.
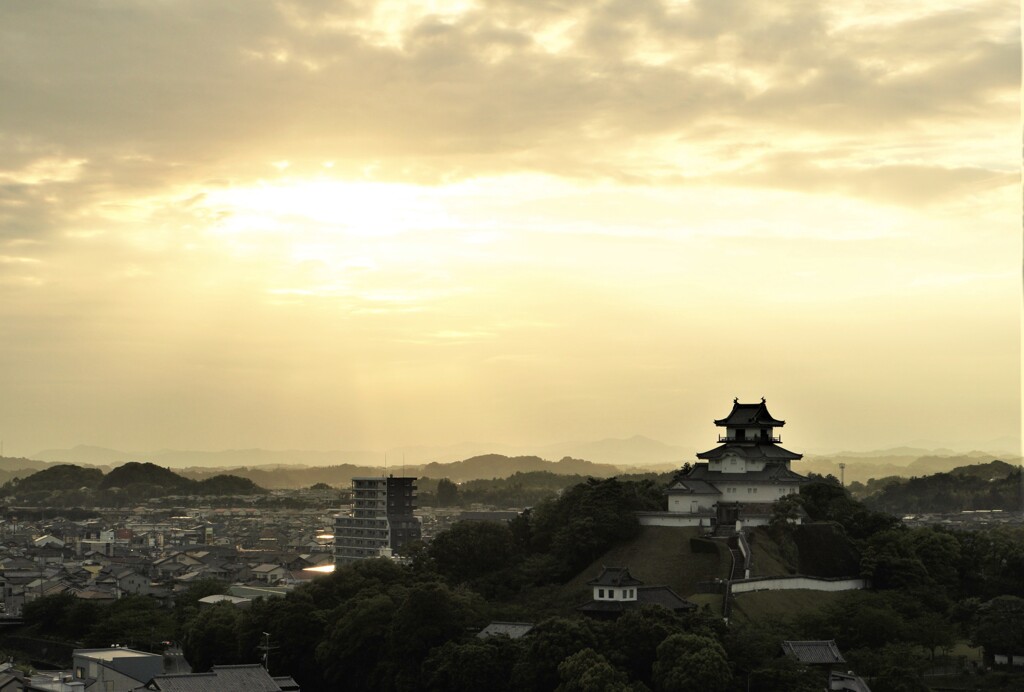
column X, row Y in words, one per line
column 354, row 225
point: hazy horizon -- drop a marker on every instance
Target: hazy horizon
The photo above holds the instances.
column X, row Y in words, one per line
column 288, row 224
column 636, row 451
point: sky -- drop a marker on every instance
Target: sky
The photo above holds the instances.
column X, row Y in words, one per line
column 359, row 225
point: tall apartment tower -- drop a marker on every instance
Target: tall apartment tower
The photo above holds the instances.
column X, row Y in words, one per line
column 381, row 521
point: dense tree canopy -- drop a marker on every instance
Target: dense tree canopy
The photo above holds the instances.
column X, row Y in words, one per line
column 384, row 626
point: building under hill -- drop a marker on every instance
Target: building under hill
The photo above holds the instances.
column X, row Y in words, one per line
column 737, row 481
column 381, row 522
column 616, row 591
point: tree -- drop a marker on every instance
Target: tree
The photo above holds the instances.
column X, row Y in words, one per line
column 428, row 616
column 470, row 550
column 186, row 604
column 691, row 662
column 137, row 621
column 295, row 626
column 211, row 637
column 48, row 612
column 589, row 671
column 784, row 675
column 546, row 646
column 633, row 638
column 932, row 631
column 589, row 518
column 471, row 666
column 1000, row 626
column 447, row 493
column 354, row 653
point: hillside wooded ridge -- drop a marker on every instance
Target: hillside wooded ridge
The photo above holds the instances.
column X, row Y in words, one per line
column 507, row 482
column 67, row 485
column 380, row 625
column 992, row 486
column 859, row 469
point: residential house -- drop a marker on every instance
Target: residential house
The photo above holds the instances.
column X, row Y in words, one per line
column 115, row 669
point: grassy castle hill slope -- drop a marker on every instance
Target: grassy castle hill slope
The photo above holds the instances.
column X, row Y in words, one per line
column 662, row 556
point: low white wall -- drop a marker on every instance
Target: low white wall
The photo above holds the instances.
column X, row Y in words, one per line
column 809, row 583
column 682, row 520
column 672, row 519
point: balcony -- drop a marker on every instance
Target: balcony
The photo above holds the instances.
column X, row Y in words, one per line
column 755, row 438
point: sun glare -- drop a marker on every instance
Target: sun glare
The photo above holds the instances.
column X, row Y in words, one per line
column 355, row 208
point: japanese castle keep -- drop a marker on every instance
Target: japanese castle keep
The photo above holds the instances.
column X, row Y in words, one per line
column 737, row 481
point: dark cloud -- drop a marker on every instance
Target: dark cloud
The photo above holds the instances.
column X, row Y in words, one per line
column 152, row 94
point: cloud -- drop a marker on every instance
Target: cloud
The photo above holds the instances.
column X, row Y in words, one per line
column 200, row 89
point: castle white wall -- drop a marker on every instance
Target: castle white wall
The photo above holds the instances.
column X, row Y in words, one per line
column 737, row 491
column 690, row 504
column 672, row 519
column 787, row 583
column 691, row 520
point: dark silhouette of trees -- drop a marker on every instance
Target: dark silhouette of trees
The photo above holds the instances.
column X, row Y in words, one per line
column 691, row 662
column 447, row 493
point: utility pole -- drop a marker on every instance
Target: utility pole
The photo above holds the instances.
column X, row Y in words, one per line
column 267, row 648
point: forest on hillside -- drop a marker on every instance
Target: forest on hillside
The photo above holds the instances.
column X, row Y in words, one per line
column 380, row 625
column 68, row 485
column 992, row 486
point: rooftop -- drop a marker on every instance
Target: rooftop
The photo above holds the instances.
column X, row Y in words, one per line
column 512, row 630
column 645, row 595
column 615, row 576
column 771, row 472
column 749, row 415
column 766, row 451
column 113, row 653
column 813, row 651
column 241, row 678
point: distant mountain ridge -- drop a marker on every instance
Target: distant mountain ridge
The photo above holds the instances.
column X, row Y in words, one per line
column 865, row 468
column 63, row 485
column 302, row 468
column 633, row 451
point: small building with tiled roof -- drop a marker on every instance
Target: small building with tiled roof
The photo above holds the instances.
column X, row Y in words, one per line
column 813, row 652
column 616, row 590
column 498, row 628
column 824, row 655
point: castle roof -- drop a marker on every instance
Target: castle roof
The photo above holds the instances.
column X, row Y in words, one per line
column 692, row 486
column 762, row 451
column 749, row 415
column 773, row 473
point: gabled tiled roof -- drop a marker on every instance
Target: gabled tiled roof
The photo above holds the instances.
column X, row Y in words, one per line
column 692, row 486
column 512, row 630
column 757, row 451
column 663, row 596
column 615, row 576
column 652, row 595
column 770, row 473
column 813, row 652
column 749, row 414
